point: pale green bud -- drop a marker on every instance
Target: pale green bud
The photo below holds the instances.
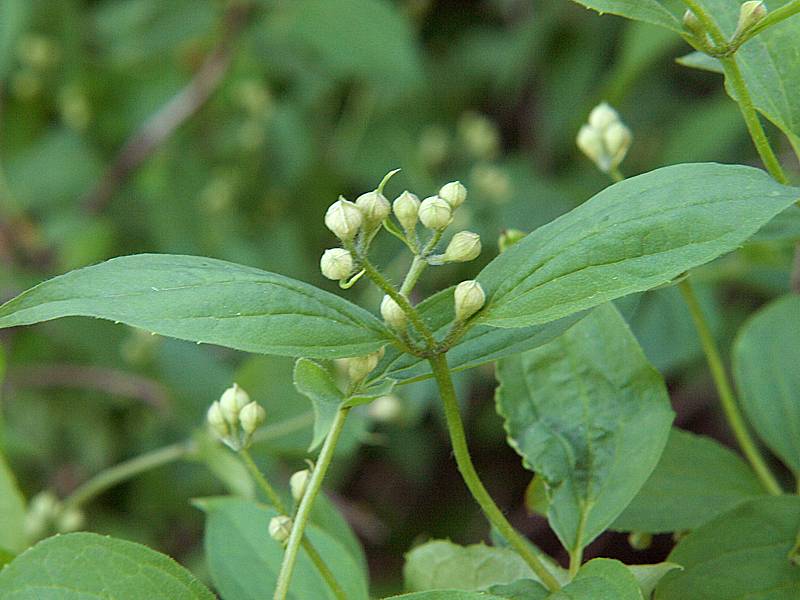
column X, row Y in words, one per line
column 406, row 209
column 386, row 409
column 469, row 299
column 70, row 520
column 750, row 13
column 509, row 237
column 639, row 540
column 336, row 263
column 216, row 421
column 590, row 142
column 280, row 528
column 480, row 135
column 392, row 313
column 464, row 246
column 344, row 219
column 617, row 139
column 298, row 483
column 252, row 417
column 374, row 208
column 358, row 367
column 454, row 193
column 231, row 403
column 603, row 116
column 692, row 23
column 435, row 213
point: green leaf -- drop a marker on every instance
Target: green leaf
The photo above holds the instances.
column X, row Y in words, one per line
column 601, row 579
column 658, row 12
column 766, row 364
column 446, row 595
column 12, row 510
column 635, row 235
column 79, row 566
column 205, row 300
column 244, row 560
column 591, row 416
column 5, row 557
column 648, row 576
column 14, row 17
column 743, row 553
column 524, row 589
column 440, row 564
column 316, row 383
column 695, row 480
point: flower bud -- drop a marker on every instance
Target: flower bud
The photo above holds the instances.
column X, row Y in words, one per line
column 374, row 208
column 617, row 139
column 435, row 213
column 692, row 23
column 336, row 263
column 603, row 116
column 70, row 520
column 454, row 193
column 298, row 483
column 469, row 299
column 509, row 237
column 231, row 403
column 406, row 209
column 280, row 528
column 639, row 540
column 750, row 13
column 590, row 142
column 358, row 367
column 216, row 420
column 464, row 246
column 252, row 417
column 392, row 313
column 386, row 409
column 344, row 219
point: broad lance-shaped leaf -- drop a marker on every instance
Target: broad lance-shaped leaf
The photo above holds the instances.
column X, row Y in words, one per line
column 745, row 553
column 205, row 300
column 766, row 363
column 12, row 511
column 633, row 236
column 769, row 62
column 695, row 480
column 590, row 416
column 79, row 566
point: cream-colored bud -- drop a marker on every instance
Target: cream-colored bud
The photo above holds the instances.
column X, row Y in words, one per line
column 298, row 483
column 590, row 142
column 70, row 520
column 750, row 13
column 603, row 116
column 344, row 219
column 358, row 367
column 509, row 237
column 454, row 193
column 692, row 23
column 469, row 299
column 336, row 263
column 280, row 528
column 435, row 213
column 216, row 420
column 386, row 409
column 406, row 209
column 231, row 403
column 392, row 313
column 374, row 208
column 252, row 417
column 617, row 139
column 464, row 246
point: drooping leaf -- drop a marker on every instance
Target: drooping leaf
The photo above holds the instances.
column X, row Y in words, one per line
column 743, row 553
column 633, row 236
column 205, row 300
column 695, row 480
column 766, row 363
column 590, row 416
column 441, row 564
column 79, row 566
column 601, row 579
column 315, row 382
column 244, row 560
column 12, row 511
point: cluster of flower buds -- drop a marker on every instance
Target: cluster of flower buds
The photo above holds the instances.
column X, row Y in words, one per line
column 234, row 418
column 46, row 515
column 605, row 139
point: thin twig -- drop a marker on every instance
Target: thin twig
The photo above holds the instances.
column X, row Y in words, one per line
column 159, row 127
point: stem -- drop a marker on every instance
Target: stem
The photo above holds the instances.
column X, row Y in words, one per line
column 576, row 554
column 262, row 482
column 616, row 175
column 126, row 470
column 726, row 395
column 304, row 510
column 441, row 372
column 419, row 264
column 708, row 23
column 323, row 569
column 734, row 76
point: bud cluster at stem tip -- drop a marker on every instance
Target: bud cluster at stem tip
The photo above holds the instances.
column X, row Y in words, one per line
column 234, row 418
column 605, row 139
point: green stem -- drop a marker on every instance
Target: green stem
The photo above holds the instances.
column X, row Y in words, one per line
column 419, row 264
column 306, row 503
column 726, row 395
column 441, row 372
column 708, row 23
column 616, row 175
column 323, row 569
column 123, row 471
column 734, row 76
column 576, row 554
column 262, row 482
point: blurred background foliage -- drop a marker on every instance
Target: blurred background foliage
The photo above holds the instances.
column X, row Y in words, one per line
column 225, row 129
